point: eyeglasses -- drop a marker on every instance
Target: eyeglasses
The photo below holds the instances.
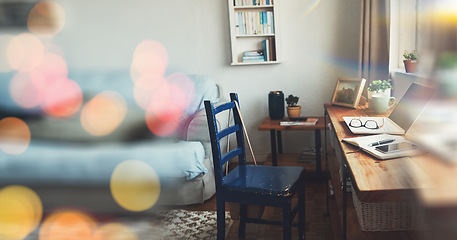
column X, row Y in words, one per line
column 370, row 124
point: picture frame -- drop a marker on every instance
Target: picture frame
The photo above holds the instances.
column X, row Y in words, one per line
column 348, row 91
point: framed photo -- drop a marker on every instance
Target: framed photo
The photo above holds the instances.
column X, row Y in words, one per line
column 348, row 91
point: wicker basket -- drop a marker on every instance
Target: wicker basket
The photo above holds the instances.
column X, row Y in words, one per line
column 389, row 216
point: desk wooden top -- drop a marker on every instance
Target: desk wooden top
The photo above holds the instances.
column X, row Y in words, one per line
column 376, row 180
column 268, row 124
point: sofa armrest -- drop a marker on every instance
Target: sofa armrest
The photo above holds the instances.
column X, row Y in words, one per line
column 197, row 129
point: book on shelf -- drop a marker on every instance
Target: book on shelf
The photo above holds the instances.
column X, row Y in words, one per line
column 272, row 49
column 299, row 122
column 269, row 49
column 370, row 143
column 237, row 24
column 266, row 49
column 254, row 23
column 252, row 2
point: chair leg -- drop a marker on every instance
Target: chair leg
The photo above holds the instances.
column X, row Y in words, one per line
column 301, row 212
column 220, row 219
column 286, row 222
column 242, row 225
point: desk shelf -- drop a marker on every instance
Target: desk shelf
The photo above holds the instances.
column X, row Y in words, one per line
column 353, row 226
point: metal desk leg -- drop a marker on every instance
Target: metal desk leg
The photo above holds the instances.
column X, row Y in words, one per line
column 279, row 137
column 274, row 155
column 345, row 173
column 317, row 139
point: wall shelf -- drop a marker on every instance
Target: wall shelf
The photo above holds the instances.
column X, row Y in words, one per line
column 254, row 32
column 255, row 63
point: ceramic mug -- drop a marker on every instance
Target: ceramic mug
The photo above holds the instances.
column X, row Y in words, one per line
column 382, row 103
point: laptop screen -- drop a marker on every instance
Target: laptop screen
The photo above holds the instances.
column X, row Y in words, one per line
column 411, row 105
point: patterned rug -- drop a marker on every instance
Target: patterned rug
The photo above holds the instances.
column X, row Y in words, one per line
column 182, row 224
column 170, row 225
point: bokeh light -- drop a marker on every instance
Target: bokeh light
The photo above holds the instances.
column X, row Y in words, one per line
column 25, row 52
column 20, row 212
column 23, row 92
column 168, row 100
column 14, row 135
column 114, row 231
column 63, row 100
column 186, row 92
column 149, row 59
column 145, row 88
column 68, row 225
column 50, row 47
column 161, row 127
column 5, row 39
column 135, row 185
column 46, row 18
column 164, row 101
column 51, row 72
column 165, row 110
column 104, row 113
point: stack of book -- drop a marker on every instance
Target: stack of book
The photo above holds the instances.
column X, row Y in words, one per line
column 253, row 56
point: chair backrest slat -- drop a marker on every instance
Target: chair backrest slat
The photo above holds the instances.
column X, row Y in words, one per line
column 233, row 153
column 224, row 132
column 223, row 107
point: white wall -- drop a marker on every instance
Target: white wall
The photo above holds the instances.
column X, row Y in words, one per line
column 317, row 47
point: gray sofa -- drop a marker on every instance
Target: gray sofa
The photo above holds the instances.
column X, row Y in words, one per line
column 68, row 167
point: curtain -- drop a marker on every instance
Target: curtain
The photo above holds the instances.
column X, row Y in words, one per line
column 374, row 40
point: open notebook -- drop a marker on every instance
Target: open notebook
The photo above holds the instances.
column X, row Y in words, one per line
column 365, row 144
column 403, row 116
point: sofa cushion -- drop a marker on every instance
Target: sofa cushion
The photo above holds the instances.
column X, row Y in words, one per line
column 132, row 128
column 52, row 163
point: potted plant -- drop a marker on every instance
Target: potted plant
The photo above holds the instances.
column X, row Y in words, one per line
column 410, row 61
column 379, row 87
column 293, row 110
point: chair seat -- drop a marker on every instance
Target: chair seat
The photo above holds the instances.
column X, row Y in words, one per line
column 272, row 180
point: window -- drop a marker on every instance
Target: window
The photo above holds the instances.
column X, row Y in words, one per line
column 404, row 34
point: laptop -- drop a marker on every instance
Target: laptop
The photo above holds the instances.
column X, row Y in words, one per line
column 403, row 116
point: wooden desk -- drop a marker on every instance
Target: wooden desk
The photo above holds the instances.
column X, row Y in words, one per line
column 373, row 180
column 275, row 134
column 376, row 181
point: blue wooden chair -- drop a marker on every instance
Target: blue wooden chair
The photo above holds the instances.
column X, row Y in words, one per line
column 252, row 184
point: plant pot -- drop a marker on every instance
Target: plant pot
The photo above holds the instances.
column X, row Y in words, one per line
column 411, row 65
column 293, row 112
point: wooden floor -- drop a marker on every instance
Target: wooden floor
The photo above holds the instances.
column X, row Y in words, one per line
column 318, row 224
